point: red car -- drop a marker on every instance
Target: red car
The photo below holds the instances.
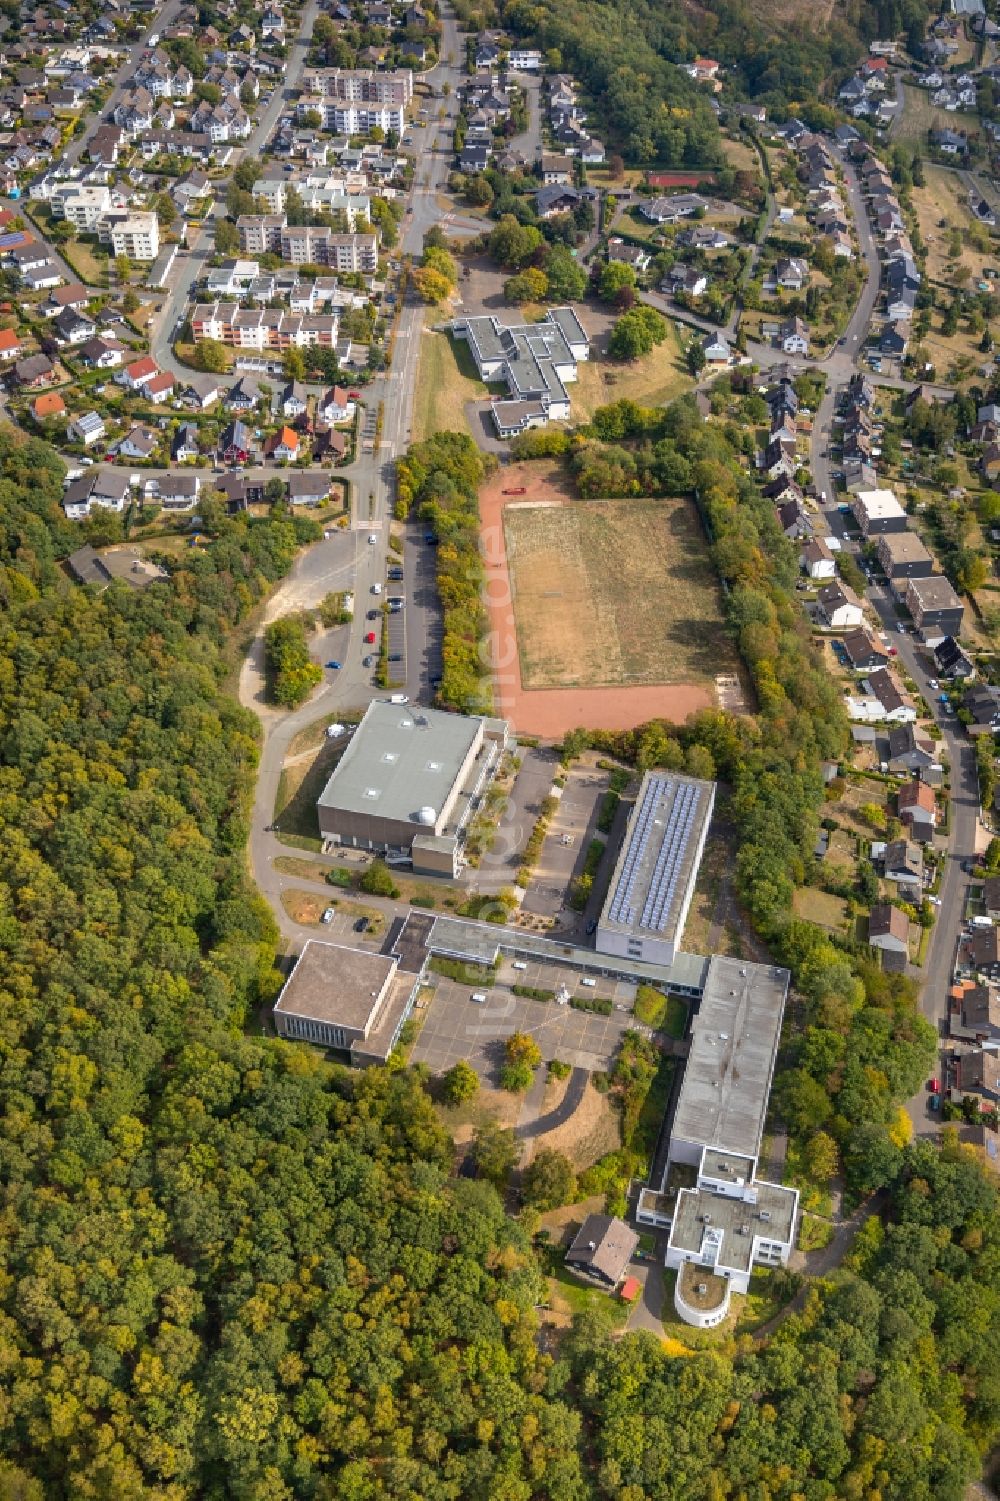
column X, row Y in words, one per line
column 354, row 395
column 934, row 1085
column 370, row 638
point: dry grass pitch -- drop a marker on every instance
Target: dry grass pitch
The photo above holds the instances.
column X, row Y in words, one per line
column 614, row 592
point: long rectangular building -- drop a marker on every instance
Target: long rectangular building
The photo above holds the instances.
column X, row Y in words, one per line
column 654, row 879
column 727, row 1078
column 263, row 328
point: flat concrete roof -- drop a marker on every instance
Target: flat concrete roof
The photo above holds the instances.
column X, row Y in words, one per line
column 878, row 504
column 903, row 547
column 480, row 942
column 734, row 1041
column 735, row 1221
column 656, row 861
column 401, row 759
column 934, row 593
column 335, row 984
column 728, row 1167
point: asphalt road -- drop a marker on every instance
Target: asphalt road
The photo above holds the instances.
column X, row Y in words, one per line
column 122, row 79
column 960, row 846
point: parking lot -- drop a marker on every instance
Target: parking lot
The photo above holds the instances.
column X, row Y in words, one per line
column 458, row 1027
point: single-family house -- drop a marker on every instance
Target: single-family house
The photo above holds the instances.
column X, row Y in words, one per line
column 918, row 811
column 601, row 1250
column 86, row 429
column 904, row 866
column 185, row 443
column 234, row 443
column 284, row 444
column 138, row 443
column 909, row 749
column 839, row 606
column 817, row 560
column 889, row 931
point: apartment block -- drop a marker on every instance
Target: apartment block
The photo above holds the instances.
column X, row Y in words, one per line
column 83, row 204
column 263, row 328
column 137, row 236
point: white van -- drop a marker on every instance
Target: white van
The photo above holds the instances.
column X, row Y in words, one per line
column 590, row 984
column 519, row 964
column 479, row 996
column 399, row 698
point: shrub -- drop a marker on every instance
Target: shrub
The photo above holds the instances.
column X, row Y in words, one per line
column 377, row 880
column 516, row 1077
column 596, row 1004
column 549, row 1180
column 460, row 1083
column 559, row 1070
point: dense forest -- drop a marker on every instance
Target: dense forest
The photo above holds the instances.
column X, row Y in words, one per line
column 234, row 1270
column 628, row 57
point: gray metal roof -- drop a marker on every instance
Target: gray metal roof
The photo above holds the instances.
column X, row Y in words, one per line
column 657, row 860
column 401, row 759
column 734, row 1041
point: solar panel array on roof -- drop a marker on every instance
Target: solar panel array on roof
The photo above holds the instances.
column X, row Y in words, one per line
column 668, row 863
column 621, row 904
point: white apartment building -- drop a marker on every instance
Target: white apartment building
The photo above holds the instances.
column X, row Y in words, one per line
column 137, row 236
column 360, row 85
column 83, row 204
column 303, row 245
column 341, row 117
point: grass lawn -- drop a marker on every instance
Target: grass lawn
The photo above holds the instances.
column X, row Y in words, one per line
column 446, row 381
column 741, row 156
column 85, row 263
column 920, row 116
column 298, row 788
column 655, row 617
column 655, row 380
column 814, row 1233
column 307, row 907
column 567, row 1292
column 820, row 907
column 665, row 1013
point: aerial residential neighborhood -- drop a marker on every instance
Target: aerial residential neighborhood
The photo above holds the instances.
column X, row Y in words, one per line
column 500, row 749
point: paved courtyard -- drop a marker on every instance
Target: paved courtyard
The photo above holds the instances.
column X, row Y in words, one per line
column 564, row 850
column 457, row 1027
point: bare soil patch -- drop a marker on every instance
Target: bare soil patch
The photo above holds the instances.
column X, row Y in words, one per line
column 609, row 592
column 550, row 712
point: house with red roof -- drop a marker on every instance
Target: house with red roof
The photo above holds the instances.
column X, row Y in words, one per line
column 10, row 345
column 284, row 444
column 160, row 387
column 138, row 375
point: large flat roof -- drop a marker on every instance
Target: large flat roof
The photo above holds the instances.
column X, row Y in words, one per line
column 733, row 1223
column 401, row 759
column 335, row 984
column 734, row 1041
column 656, row 862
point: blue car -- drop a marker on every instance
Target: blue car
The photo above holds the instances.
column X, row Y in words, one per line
column 334, row 665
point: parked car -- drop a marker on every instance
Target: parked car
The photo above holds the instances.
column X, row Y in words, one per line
column 333, row 666
column 361, row 926
column 328, row 915
column 370, row 638
column 934, row 1085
